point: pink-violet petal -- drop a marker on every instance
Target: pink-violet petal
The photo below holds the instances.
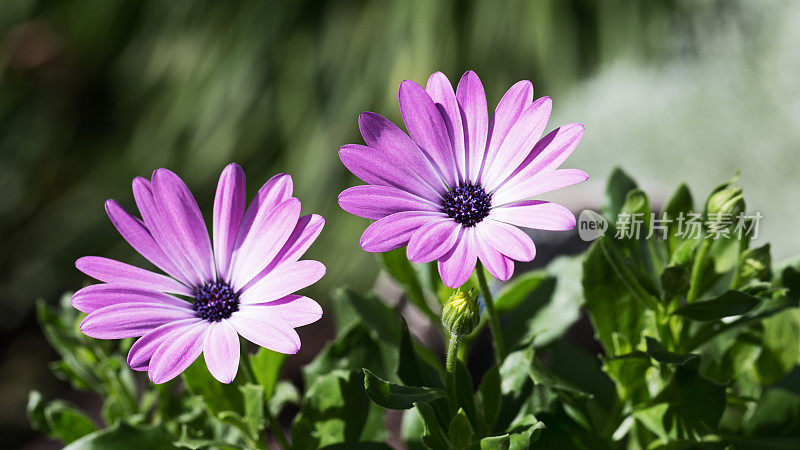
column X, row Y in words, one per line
column 432, row 240
column 116, row 272
column 177, row 353
column 394, row 231
column 375, row 202
column 124, row 320
column 221, row 351
column 99, row 296
column 229, row 206
column 535, row 214
column 284, row 280
column 268, row 332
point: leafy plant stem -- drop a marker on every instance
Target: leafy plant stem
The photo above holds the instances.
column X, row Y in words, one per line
column 450, row 366
column 249, row 374
column 494, row 324
column 697, row 270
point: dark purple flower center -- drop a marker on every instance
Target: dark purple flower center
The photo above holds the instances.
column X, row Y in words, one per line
column 215, row 301
column 467, row 204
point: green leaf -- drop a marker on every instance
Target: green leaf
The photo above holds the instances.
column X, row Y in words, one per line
column 496, row 442
column 612, row 307
column 780, row 350
column 518, row 290
column 412, row 428
column 550, row 309
column 218, row 397
column 358, row 446
column 460, row 430
column 433, row 436
column 123, row 435
column 756, row 264
column 628, row 372
column 675, row 281
column 399, row 267
column 489, row 396
column 67, row 423
column 58, row 419
column 374, row 313
column 619, row 184
column 681, row 202
column 285, row 394
column 529, row 429
column 730, row 303
column 334, row 410
column 394, row 396
column 267, row 369
column 657, row 351
column 695, row 403
column 253, row 396
column 353, row 349
column 411, row 368
column 35, row 410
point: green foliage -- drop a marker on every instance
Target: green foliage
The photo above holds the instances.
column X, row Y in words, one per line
column 700, row 347
column 695, row 330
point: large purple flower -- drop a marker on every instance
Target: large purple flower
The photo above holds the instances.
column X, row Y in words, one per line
column 241, row 285
column 459, row 187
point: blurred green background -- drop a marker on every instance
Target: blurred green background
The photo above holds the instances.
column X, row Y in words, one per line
column 96, row 92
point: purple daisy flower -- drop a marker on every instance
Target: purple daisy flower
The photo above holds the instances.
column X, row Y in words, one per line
column 242, row 285
column 459, row 187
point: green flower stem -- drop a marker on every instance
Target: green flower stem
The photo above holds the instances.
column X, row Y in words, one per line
column 450, row 366
column 494, row 324
column 250, row 376
column 452, row 353
column 697, row 270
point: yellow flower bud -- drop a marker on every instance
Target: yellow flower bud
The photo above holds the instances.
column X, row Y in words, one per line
column 461, row 313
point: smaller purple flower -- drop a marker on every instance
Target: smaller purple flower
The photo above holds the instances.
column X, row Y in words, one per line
column 243, row 284
column 459, row 187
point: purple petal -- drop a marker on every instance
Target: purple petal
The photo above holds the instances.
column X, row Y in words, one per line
column 535, row 214
column 295, row 310
column 507, row 239
column 513, row 104
column 268, row 332
column 523, row 136
column 394, row 231
column 304, row 234
column 142, row 350
column 425, row 125
column 115, row 272
column 137, row 235
column 267, row 235
column 457, row 265
column 550, row 152
column 519, row 188
column 275, row 191
column 160, row 230
column 126, row 320
column 283, row 280
column 499, row 265
column 179, row 209
column 432, row 240
column 475, row 118
column 99, row 296
column 229, row 205
column 443, row 96
column 221, row 351
column 381, row 168
column 382, row 135
column 375, row 202
column 177, row 353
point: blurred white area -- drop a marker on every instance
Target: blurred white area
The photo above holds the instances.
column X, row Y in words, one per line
column 733, row 103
